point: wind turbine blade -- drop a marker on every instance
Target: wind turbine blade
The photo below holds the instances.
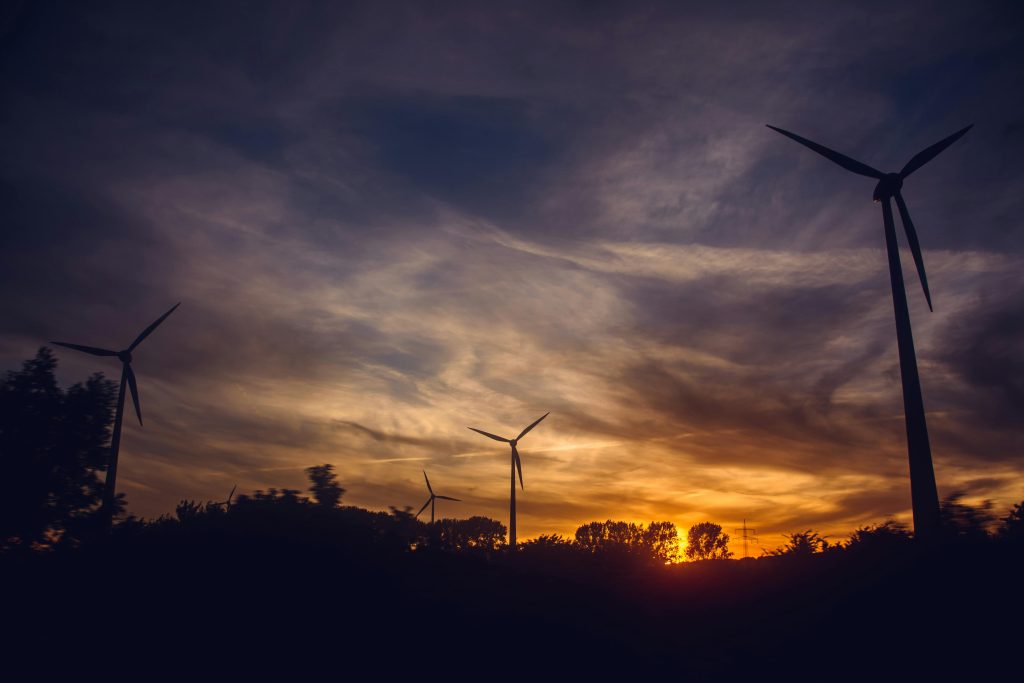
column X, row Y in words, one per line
column 428, row 482
column 448, row 498
column 915, row 247
column 488, row 434
column 536, row 422
column 841, row 159
column 519, row 466
column 924, row 156
column 424, row 507
column 135, row 391
column 146, row 332
column 232, row 494
column 86, row 349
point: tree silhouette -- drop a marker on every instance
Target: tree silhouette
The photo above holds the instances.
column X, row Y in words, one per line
column 607, row 537
column 705, row 541
column 554, row 553
column 802, row 544
column 53, row 444
column 272, row 498
column 477, row 535
column 412, row 531
column 879, row 538
column 963, row 522
column 194, row 512
column 1012, row 527
column 658, row 542
column 324, row 485
column 546, row 544
column 661, row 541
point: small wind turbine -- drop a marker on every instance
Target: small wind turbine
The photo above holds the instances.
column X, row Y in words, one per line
column 127, row 376
column 433, row 497
column 516, row 465
column 923, row 494
column 227, row 503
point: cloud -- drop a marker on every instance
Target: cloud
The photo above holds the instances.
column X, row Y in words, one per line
column 387, row 224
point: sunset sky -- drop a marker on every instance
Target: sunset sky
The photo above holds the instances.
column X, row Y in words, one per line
column 387, row 222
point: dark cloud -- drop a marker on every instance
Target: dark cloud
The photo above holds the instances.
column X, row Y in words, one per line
column 749, row 324
column 483, row 153
column 796, row 431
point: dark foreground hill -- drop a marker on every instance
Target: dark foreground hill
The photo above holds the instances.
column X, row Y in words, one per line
column 299, row 603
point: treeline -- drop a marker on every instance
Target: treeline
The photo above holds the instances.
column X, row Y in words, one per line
column 287, row 515
column 54, row 445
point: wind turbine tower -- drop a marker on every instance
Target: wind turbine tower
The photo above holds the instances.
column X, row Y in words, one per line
column 127, row 377
column 433, row 497
column 923, row 493
column 517, row 464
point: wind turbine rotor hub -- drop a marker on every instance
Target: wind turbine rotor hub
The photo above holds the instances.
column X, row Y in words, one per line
column 125, row 356
column 513, row 443
column 888, row 186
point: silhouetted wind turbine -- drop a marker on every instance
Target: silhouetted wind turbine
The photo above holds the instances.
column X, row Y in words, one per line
column 924, row 496
column 516, row 465
column 227, row 503
column 127, row 376
column 433, row 497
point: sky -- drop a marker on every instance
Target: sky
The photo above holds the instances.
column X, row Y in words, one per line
column 387, row 222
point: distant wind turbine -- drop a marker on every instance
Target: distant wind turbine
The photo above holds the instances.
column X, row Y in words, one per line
column 227, row 503
column 433, row 497
column 516, row 465
column 924, row 496
column 127, row 376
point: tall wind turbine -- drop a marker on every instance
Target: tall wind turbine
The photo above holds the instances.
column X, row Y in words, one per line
column 516, row 465
column 433, row 497
column 923, row 494
column 127, row 376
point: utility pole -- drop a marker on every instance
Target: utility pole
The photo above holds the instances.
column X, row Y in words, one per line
column 747, row 534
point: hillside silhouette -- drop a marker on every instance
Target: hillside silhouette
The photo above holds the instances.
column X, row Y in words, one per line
column 285, row 583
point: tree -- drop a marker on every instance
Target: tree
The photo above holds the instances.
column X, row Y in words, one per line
column 881, row 538
column 1012, row 527
column 545, row 543
column 272, row 498
column 605, row 537
column 657, row 542
column 660, row 541
column 705, row 541
column 325, row 487
column 963, row 522
column 552, row 552
column 803, row 544
column 476, row 534
column 404, row 524
column 189, row 511
column 53, row 445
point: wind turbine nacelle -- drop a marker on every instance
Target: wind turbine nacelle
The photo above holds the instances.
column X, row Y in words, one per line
column 888, row 186
column 125, row 356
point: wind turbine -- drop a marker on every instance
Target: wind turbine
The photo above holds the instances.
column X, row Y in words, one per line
column 127, row 376
column 227, row 503
column 923, row 494
column 433, row 497
column 517, row 464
